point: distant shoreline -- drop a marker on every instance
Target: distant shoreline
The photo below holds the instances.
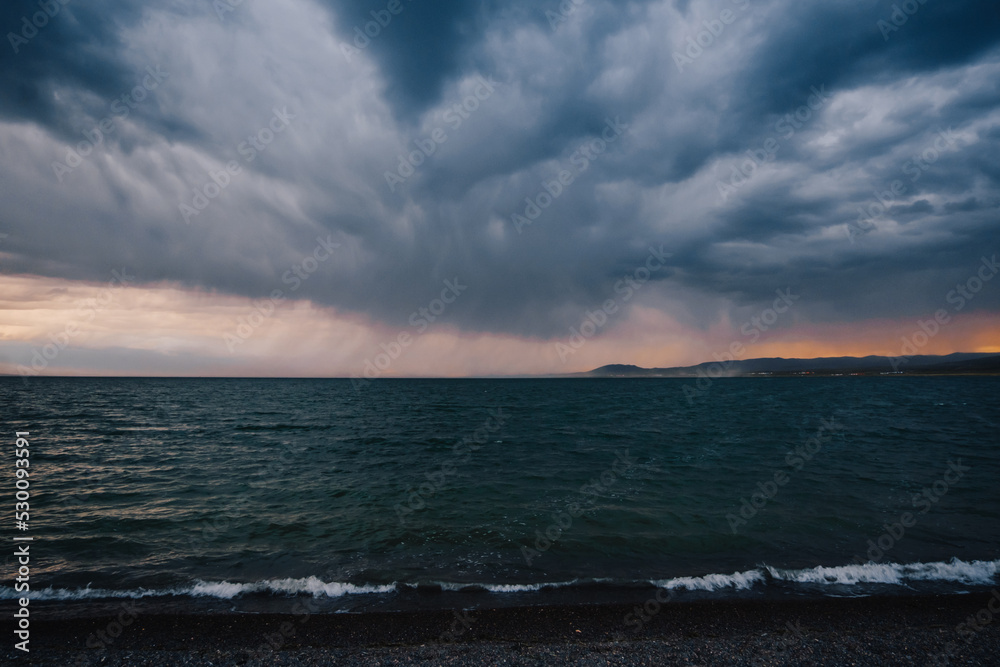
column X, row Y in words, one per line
column 580, row 376
column 959, row 364
column 810, row 374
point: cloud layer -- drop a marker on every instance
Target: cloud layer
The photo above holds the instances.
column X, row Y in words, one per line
column 535, row 153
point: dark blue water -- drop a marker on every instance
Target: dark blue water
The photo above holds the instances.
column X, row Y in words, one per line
column 410, row 491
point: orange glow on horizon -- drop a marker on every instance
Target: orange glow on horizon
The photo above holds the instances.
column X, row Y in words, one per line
column 171, row 330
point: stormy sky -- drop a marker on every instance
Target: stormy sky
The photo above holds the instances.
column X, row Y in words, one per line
column 239, row 187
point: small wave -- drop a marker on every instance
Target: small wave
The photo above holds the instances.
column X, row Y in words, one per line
column 528, row 588
column 308, row 586
column 457, row 586
column 975, row 572
column 713, row 582
column 223, row 590
column 88, row 593
column 967, row 573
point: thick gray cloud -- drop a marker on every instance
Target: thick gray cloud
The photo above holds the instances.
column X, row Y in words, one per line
column 553, row 86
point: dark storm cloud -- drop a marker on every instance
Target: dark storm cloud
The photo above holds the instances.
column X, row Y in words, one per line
column 418, row 48
column 78, row 48
column 420, row 45
column 61, row 64
column 840, row 44
column 556, row 88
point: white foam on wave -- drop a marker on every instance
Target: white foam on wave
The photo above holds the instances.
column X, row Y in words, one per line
column 502, row 588
column 223, row 590
column 529, row 588
column 220, row 589
column 713, row 582
column 309, row 586
column 453, row 586
column 520, row 588
column 976, row 572
column 869, row 573
column 87, row 593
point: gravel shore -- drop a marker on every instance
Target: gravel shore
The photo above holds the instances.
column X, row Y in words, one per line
column 865, row 631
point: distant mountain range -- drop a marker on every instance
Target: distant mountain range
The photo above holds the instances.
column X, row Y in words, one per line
column 960, row 363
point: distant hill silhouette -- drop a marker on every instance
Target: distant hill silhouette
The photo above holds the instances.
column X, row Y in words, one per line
column 959, row 363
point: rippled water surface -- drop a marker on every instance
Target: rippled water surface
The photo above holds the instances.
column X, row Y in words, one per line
column 227, row 488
